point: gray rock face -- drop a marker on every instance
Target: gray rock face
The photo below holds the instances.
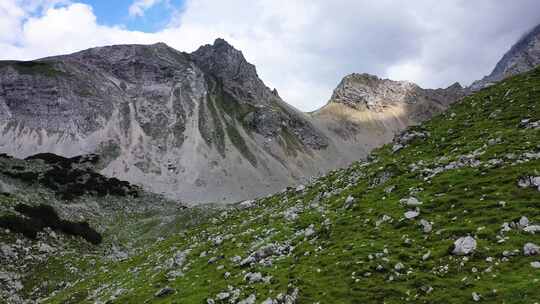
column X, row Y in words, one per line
column 198, row 127
column 364, row 91
column 522, row 57
column 367, row 111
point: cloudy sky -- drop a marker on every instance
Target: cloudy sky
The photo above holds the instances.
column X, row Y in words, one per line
column 301, row 47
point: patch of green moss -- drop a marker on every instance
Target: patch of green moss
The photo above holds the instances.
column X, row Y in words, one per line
column 33, row 68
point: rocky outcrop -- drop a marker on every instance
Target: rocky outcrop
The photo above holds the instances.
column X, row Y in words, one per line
column 368, row 92
column 522, row 57
column 368, row 111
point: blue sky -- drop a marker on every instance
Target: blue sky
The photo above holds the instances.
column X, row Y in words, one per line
column 116, row 12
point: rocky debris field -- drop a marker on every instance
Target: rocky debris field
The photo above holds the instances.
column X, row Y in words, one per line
column 451, row 216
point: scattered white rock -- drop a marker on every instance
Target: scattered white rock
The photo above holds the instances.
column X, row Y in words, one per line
column 223, row 295
column 253, row 277
column 45, row 248
column 349, row 202
column 535, row 265
column 291, row 214
column 249, row 300
column 529, row 182
column 246, row 204
column 411, row 214
column 411, row 202
column 426, row 226
column 532, row 228
column 7, row 251
column 309, row 231
column 524, row 221
column 531, row 249
column 475, row 297
column 464, row 246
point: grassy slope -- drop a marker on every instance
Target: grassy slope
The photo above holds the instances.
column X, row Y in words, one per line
column 333, row 265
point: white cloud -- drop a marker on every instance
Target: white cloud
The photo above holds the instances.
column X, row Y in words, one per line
column 10, row 22
column 138, row 7
column 302, row 47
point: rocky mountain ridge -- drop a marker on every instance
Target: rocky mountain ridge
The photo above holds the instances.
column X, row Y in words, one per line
column 198, row 127
column 189, row 125
column 364, row 91
column 203, row 127
column 522, row 57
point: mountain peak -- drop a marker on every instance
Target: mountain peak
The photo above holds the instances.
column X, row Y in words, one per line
column 222, row 59
column 220, row 42
column 522, row 57
column 366, row 91
column 229, row 66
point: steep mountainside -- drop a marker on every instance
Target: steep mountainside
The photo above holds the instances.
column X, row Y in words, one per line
column 200, row 127
column 370, row 110
column 446, row 213
column 522, row 57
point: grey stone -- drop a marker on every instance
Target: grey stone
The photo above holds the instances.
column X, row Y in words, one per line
column 531, row 249
column 164, row 292
column 464, row 246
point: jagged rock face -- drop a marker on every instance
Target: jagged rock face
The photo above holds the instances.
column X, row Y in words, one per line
column 199, row 127
column 368, row 92
column 522, row 57
column 236, row 83
column 236, row 74
column 369, row 111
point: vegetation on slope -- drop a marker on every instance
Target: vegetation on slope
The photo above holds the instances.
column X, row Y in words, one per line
column 345, row 238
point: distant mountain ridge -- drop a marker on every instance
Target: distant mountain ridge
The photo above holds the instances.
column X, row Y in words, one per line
column 203, row 127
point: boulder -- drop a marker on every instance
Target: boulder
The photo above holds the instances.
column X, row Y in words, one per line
column 532, row 228
column 426, row 226
column 253, row 277
column 411, row 214
column 410, row 202
column 531, row 249
column 349, row 202
column 249, row 300
column 464, row 246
